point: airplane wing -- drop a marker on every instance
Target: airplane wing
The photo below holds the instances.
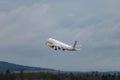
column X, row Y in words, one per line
column 57, row 45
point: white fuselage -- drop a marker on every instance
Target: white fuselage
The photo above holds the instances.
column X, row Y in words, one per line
column 60, row 45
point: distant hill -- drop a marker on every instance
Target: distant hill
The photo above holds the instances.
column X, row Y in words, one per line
column 15, row 67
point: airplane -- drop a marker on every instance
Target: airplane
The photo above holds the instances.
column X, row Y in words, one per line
column 53, row 43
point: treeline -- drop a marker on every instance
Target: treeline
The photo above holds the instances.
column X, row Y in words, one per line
column 45, row 75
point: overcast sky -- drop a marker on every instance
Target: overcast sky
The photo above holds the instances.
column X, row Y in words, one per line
column 25, row 25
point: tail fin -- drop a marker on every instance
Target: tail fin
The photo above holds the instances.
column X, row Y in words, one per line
column 74, row 45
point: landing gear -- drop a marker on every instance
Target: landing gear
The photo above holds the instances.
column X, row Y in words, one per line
column 59, row 48
column 63, row 49
column 55, row 48
column 52, row 46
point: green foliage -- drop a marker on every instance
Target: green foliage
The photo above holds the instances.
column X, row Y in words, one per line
column 44, row 75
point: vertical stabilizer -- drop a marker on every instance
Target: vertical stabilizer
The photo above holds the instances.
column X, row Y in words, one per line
column 74, row 44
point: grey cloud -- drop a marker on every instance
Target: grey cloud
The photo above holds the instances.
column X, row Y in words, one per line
column 24, row 30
